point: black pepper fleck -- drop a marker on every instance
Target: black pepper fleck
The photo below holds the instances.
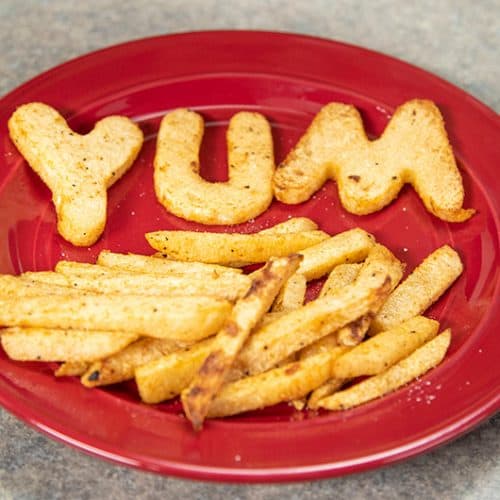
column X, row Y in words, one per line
column 94, row 376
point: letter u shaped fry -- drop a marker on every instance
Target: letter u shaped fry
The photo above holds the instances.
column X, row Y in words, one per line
column 180, row 188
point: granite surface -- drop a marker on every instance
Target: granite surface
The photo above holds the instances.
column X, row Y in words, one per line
column 457, row 39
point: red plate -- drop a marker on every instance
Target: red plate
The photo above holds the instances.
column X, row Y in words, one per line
column 288, row 78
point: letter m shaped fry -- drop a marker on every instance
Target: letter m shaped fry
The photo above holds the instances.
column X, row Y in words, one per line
column 414, row 149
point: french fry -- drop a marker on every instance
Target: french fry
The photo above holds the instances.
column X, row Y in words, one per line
column 154, row 319
column 354, row 333
column 339, row 277
column 349, row 334
column 292, row 294
column 299, row 404
column 415, row 365
column 275, row 341
column 270, row 317
column 180, row 318
column 149, row 264
column 428, row 281
column 380, row 259
column 293, row 225
column 45, row 278
column 47, row 344
column 287, row 383
column 289, row 359
column 121, row 365
column 167, row 376
column 349, row 246
column 101, row 279
column 72, row 369
column 382, row 351
column 222, row 248
column 331, row 386
column 246, row 313
column 325, row 343
column 20, row 286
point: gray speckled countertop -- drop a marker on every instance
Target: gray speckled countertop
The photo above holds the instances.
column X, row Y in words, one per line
column 457, row 39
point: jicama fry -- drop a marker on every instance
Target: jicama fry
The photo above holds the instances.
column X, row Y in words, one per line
column 339, row 277
column 167, row 376
column 72, row 369
column 266, row 283
column 44, row 278
column 287, row 383
column 331, row 386
column 94, row 278
column 293, row 225
column 415, row 365
column 291, row 332
column 292, row 294
column 223, row 248
column 49, row 344
column 183, row 318
column 428, row 281
column 349, row 246
column 25, row 286
column 276, row 340
column 323, row 344
column 120, row 366
column 153, row 265
column 354, row 333
column 385, row 349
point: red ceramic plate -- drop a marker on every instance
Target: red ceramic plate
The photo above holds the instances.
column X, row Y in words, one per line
column 288, row 78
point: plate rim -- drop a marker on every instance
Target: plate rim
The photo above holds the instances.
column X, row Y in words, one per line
column 319, row 39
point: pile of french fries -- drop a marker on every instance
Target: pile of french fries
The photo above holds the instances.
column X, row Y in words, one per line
column 189, row 322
